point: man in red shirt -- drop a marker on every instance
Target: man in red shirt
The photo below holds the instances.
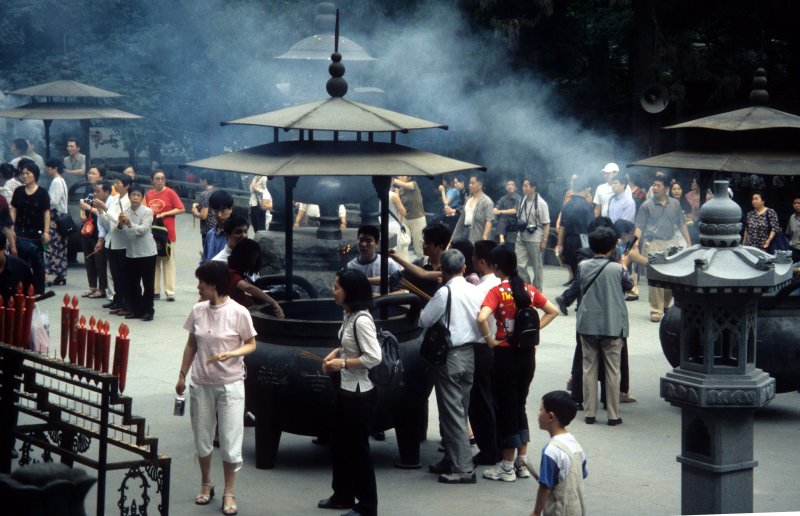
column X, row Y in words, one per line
column 165, row 204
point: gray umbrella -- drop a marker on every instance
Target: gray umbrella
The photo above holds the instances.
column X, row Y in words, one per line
column 50, row 110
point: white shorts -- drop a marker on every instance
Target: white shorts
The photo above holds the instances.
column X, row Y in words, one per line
column 210, row 405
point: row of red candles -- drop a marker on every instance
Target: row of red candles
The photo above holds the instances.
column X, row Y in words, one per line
column 91, row 347
column 15, row 319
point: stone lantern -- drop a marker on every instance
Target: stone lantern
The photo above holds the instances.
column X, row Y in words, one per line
column 717, row 385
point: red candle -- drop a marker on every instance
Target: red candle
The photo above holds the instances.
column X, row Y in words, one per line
column 8, row 330
column 73, row 334
column 91, row 340
column 65, row 326
column 98, row 347
column 2, row 319
column 30, row 303
column 19, row 322
column 82, row 341
column 106, row 347
column 121, row 347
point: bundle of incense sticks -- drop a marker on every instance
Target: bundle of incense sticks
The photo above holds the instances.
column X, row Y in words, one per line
column 414, row 289
column 308, row 354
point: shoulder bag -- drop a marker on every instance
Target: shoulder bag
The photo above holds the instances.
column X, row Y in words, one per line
column 437, row 342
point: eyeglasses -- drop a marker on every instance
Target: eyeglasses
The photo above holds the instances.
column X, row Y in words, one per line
column 159, row 178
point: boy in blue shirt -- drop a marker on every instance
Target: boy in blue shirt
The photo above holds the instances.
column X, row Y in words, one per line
column 563, row 465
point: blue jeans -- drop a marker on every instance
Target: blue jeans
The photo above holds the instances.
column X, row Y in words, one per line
column 31, row 252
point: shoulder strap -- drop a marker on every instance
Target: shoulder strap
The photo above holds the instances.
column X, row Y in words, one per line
column 591, row 282
column 447, row 307
column 355, row 331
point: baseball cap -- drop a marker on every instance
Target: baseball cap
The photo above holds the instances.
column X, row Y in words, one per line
column 611, row 167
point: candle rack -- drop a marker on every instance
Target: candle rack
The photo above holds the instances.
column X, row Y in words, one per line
column 79, row 414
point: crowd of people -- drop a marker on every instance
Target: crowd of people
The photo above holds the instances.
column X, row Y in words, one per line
column 477, row 266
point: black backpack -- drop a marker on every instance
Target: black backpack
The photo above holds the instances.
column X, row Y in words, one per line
column 526, row 329
column 388, row 375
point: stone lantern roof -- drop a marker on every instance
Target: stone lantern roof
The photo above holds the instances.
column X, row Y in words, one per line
column 719, row 264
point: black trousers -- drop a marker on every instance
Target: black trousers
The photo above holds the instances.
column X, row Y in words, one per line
column 577, row 372
column 353, row 472
column 511, row 380
column 141, row 273
column 116, row 263
column 258, row 218
column 95, row 264
column 481, row 403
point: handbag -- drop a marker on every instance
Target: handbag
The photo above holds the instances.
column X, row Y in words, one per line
column 437, row 342
column 87, row 230
column 65, row 225
column 403, row 236
column 779, row 243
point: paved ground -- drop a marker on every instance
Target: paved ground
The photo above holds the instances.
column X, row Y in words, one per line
column 632, row 467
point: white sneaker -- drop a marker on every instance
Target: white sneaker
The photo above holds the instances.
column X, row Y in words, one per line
column 521, row 471
column 497, row 472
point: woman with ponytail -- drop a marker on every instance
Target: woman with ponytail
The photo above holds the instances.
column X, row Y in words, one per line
column 513, row 368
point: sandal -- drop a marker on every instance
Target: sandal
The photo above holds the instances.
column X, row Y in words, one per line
column 624, row 397
column 229, row 509
column 97, row 294
column 89, row 292
column 205, row 499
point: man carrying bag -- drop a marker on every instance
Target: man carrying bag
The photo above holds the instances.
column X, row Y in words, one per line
column 453, row 378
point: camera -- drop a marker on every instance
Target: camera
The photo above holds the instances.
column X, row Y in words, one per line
column 524, row 226
column 180, row 405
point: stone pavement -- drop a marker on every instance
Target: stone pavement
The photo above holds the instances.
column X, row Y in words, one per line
column 632, row 467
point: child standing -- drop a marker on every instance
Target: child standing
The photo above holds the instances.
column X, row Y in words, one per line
column 563, row 465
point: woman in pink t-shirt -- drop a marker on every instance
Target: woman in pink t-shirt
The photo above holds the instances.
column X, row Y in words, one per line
column 221, row 333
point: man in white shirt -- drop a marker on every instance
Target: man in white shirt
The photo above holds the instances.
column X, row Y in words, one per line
column 453, row 379
column 117, row 242
column 481, row 403
column 368, row 260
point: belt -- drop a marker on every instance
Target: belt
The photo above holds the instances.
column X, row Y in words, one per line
column 467, row 345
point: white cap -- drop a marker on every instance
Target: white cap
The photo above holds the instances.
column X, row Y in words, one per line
column 611, row 167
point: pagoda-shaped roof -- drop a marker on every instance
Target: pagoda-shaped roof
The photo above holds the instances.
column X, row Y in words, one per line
column 65, row 111
column 337, row 114
column 65, row 88
column 745, row 119
column 334, row 158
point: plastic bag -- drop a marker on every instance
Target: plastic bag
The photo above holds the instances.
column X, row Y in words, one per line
column 40, row 331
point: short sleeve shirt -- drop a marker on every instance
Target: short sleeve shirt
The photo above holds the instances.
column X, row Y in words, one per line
column 556, row 464
column 218, row 329
column 165, row 200
column 501, row 301
column 30, row 212
column 373, row 268
column 657, row 221
column 211, row 221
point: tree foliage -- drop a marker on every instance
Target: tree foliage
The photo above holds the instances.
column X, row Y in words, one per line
column 176, row 65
